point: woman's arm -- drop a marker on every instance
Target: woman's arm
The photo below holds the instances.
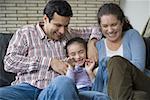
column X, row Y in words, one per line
column 137, row 48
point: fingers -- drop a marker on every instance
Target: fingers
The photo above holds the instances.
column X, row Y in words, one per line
column 60, row 67
column 90, row 60
column 63, row 71
column 95, row 58
column 70, row 61
column 64, row 68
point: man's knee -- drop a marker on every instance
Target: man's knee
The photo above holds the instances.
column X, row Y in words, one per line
column 61, row 83
column 2, row 91
column 60, row 87
column 5, row 93
column 62, row 80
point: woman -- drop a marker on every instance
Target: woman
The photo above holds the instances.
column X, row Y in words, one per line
column 121, row 57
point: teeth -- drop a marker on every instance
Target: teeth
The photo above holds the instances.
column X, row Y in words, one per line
column 111, row 34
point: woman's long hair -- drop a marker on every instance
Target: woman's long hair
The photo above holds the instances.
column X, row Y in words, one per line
column 114, row 9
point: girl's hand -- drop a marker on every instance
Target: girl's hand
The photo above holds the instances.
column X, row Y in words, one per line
column 89, row 65
column 70, row 62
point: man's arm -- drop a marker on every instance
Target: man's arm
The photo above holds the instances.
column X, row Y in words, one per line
column 16, row 59
column 86, row 33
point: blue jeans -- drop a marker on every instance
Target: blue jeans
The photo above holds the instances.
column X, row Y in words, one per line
column 61, row 88
column 22, row 91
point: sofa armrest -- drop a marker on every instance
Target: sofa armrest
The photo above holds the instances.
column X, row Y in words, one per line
column 147, row 43
column 5, row 77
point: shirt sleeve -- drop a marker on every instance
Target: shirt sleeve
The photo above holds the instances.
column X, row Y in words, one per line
column 138, row 49
column 16, row 59
column 70, row 73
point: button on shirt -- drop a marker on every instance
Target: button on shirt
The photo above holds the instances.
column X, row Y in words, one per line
column 30, row 52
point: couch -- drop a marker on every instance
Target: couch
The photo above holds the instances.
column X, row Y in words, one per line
column 6, row 77
column 147, row 43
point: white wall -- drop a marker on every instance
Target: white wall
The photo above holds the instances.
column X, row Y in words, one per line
column 137, row 11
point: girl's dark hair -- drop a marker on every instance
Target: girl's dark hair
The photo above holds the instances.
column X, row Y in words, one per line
column 73, row 40
column 61, row 7
column 114, row 9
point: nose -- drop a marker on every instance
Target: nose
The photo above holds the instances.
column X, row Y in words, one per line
column 62, row 30
column 77, row 56
column 110, row 30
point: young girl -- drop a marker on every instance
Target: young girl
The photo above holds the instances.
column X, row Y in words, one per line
column 80, row 69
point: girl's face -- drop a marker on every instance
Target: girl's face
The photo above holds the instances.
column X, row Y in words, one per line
column 78, row 52
column 111, row 28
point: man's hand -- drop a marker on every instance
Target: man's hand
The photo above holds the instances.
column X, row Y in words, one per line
column 92, row 52
column 59, row 66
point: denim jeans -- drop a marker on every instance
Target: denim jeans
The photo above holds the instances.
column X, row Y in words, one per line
column 22, row 91
column 61, row 88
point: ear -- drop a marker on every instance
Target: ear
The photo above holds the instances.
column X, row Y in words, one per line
column 45, row 19
column 122, row 23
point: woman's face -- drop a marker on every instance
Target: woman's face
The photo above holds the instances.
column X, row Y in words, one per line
column 111, row 27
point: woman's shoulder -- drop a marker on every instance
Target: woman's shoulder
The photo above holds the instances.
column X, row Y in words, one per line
column 131, row 33
column 101, row 41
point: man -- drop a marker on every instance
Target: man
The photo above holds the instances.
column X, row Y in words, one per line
column 35, row 53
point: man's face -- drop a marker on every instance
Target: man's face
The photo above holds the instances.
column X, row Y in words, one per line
column 56, row 28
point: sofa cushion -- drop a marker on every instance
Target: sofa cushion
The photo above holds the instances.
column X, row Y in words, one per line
column 5, row 77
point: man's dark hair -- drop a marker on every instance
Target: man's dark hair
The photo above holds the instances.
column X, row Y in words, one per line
column 77, row 40
column 61, row 7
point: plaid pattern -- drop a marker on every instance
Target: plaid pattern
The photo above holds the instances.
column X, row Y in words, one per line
column 29, row 53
